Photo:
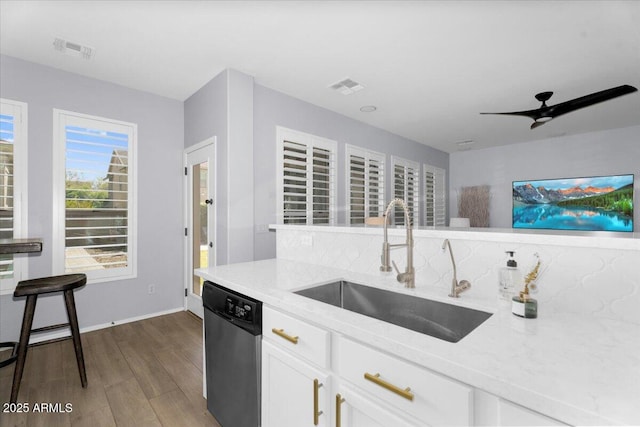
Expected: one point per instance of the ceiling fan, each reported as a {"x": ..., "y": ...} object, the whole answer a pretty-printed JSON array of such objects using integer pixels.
[{"x": 546, "y": 112}]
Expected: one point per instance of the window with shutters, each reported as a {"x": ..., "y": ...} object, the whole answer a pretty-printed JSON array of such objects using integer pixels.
[
  {"x": 365, "y": 184},
  {"x": 434, "y": 196},
  {"x": 306, "y": 178},
  {"x": 405, "y": 187},
  {"x": 94, "y": 194},
  {"x": 13, "y": 185}
]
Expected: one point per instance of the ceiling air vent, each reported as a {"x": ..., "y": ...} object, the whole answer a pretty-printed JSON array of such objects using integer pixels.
[
  {"x": 73, "y": 49},
  {"x": 346, "y": 87}
]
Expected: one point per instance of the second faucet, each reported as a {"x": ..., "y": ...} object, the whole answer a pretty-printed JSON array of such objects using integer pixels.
[{"x": 456, "y": 288}]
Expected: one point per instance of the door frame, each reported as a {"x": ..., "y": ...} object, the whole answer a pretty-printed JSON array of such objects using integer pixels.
[{"x": 188, "y": 243}]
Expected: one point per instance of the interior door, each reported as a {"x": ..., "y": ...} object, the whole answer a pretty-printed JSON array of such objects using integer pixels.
[{"x": 200, "y": 219}]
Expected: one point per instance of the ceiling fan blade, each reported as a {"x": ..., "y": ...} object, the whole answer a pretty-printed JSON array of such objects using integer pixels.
[
  {"x": 538, "y": 124},
  {"x": 588, "y": 100},
  {"x": 529, "y": 113}
]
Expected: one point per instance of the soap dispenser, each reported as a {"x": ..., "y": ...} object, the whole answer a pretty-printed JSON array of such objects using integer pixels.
[{"x": 510, "y": 278}]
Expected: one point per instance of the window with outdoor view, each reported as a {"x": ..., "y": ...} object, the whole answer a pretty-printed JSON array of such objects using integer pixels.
[
  {"x": 13, "y": 183},
  {"x": 94, "y": 189}
]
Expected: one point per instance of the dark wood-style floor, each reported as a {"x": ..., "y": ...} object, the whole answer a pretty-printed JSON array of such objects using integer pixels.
[{"x": 145, "y": 373}]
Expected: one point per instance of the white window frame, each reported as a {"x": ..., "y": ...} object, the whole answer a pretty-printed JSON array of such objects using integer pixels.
[
  {"x": 310, "y": 141},
  {"x": 369, "y": 156},
  {"x": 438, "y": 197},
  {"x": 413, "y": 168},
  {"x": 20, "y": 200},
  {"x": 61, "y": 119}
]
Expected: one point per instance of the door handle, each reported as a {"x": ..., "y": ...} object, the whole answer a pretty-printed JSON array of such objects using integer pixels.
[
  {"x": 339, "y": 401},
  {"x": 406, "y": 393},
  {"x": 281, "y": 333},
  {"x": 316, "y": 412},
  {"x": 209, "y": 201}
]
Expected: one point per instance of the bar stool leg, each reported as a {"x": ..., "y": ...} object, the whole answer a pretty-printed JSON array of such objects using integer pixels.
[
  {"x": 25, "y": 332},
  {"x": 75, "y": 333}
]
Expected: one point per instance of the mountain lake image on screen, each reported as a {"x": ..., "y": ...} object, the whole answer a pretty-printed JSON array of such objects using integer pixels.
[{"x": 598, "y": 203}]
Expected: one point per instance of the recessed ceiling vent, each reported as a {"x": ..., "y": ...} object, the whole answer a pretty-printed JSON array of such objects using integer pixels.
[
  {"x": 346, "y": 87},
  {"x": 74, "y": 49},
  {"x": 465, "y": 145}
]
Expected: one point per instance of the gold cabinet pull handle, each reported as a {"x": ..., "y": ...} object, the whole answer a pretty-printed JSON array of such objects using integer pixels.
[
  {"x": 283, "y": 334},
  {"x": 406, "y": 393},
  {"x": 316, "y": 412},
  {"x": 339, "y": 401}
]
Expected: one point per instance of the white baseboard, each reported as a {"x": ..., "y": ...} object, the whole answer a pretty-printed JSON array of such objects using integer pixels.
[{"x": 65, "y": 333}]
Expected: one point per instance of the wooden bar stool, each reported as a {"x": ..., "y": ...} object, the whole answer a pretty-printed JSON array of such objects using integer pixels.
[{"x": 31, "y": 289}]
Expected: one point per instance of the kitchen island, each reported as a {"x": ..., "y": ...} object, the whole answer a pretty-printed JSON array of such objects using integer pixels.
[{"x": 577, "y": 366}]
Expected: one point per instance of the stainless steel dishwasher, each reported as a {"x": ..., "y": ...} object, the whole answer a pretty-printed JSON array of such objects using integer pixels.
[{"x": 232, "y": 336}]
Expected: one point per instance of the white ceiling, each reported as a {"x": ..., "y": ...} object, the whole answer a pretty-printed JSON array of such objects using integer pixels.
[{"x": 430, "y": 67}]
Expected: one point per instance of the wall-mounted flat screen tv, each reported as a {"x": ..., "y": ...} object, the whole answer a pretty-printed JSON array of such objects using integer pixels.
[{"x": 598, "y": 203}]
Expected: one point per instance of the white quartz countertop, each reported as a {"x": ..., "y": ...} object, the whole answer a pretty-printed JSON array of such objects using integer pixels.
[{"x": 579, "y": 370}]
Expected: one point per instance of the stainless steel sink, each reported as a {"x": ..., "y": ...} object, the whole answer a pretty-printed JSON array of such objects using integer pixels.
[{"x": 445, "y": 321}]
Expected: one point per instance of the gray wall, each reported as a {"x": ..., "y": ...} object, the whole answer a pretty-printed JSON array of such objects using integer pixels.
[
  {"x": 272, "y": 108},
  {"x": 609, "y": 152},
  {"x": 240, "y": 246},
  {"x": 205, "y": 116},
  {"x": 224, "y": 108},
  {"x": 160, "y": 145}
]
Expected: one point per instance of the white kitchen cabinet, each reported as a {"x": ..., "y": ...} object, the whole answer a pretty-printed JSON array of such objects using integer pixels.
[
  {"x": 491, "y": 410},
  {"x": 412, "y": 390},
  {"x": 511, "y": 414},
  {"x": 297, "y": 336},
  {"x": 354, "y": 409},
  {"x": 289, "y": 397},
  {"x": 376, "y": 389}
]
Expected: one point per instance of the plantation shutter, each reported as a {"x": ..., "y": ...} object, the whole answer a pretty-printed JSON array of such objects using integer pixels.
[
  {"x": 295, "y": 183},
  {"x": 357, "y": 189},
  {"x": 321, "y": 186},
  {"x": 7, "y": 140},
  {"x": 13, "y": 184},
  {"x": 375, "y": 182},
  {"x": 98, "y": 217},
  {"x": 307, "y": 179},
  {"x": 434, "y": 195},
  {"x": 405, "y": 187},
  {"x": 366, "y": 184}
]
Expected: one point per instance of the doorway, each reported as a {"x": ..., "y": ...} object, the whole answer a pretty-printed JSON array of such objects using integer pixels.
[{"x": 200, "y": 202}]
